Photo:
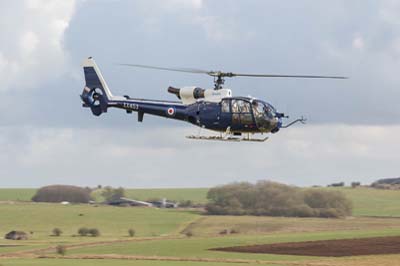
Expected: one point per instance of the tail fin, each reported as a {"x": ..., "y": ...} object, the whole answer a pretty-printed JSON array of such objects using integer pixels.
[{"x": 96, "y": 93}]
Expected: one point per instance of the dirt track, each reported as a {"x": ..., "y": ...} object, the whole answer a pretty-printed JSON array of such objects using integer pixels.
[{"x": 327, "y": 248}]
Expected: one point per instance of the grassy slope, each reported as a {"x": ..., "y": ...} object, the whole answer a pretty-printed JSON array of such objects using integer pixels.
[
  {"x": 373, "y": 202},
  {"x": 252, "y": 225},
  {"x": 111, "y": 221}
]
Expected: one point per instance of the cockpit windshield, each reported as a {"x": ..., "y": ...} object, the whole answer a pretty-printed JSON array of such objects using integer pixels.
[
  {"x": 270, "y": 110},
  {"x": 263, "y": 113},
  {"x": 261, "y": 109}
]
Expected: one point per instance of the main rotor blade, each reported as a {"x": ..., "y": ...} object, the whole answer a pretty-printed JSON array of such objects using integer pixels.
[
  {"x": 284, "y": 76},
  {"x": 187, "y": 70},
  {"x": 230, "y": 74}
]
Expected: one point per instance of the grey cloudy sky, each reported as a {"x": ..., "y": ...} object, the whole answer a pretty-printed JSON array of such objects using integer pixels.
[{"x": 46, "y": 137}]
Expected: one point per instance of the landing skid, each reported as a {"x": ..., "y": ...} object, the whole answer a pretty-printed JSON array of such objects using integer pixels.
[
  {"x": 226, "y": 136},
  {"x": 221, "y": 138}
]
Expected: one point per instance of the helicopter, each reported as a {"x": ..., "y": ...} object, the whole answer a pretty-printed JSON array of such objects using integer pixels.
[{"x": 235, "y": 118}]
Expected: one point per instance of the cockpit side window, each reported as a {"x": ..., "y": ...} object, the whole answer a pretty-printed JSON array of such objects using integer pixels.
[
  {"x": 225, "y": 106},
  {"x": 258, "y": 109}
]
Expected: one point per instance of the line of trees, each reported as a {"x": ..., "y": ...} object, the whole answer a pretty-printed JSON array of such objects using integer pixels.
[
  {"x": 59, "y": 193},
  {"x": 75, "y": 194},
  {"x": 274, "y": 199}
]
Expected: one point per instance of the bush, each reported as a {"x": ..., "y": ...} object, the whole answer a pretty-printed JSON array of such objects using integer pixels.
[
  {"x": 112, "y": 194},
  {"x": 235, "y": 231},
  {"x": 57, "y": 232},
  {"x": 61, "y": 250},
  {"x": 341, "y": 184},
  {"x": 131, "y": 232},
  {"x": 355, "y": 184},
  {"x": 83, "y": 231},
  {"x": 186, "y": 203},
  {"x": 328, "y": 203},
  {"x": 94, "y": 232},
  {"x": 59, "y": 193},
  {"x": 274, "y": 199},
  {"x": 189, "y": 233}
]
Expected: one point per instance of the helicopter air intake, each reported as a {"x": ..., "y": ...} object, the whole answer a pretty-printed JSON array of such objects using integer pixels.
[{"x": 189, "y": 95}]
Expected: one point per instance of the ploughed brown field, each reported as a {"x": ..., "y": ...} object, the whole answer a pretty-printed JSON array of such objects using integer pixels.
[{"x": 327, "y": 248}]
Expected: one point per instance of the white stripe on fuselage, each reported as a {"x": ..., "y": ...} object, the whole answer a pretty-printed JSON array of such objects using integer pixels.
[{"x": 147, "y": 101}]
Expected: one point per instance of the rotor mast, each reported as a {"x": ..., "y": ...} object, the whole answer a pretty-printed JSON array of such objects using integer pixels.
[{"x": 218, "y": 82}]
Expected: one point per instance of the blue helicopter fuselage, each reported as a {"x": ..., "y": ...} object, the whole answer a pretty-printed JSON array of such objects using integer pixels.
[
  {"x": 229, "y": 114},
  {"x": 238, "y": 114}
]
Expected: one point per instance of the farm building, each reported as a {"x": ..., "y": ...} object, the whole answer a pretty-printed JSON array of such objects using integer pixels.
[
  {"x": 130, "y": 202},
  {"x": 164, "y": 203}
]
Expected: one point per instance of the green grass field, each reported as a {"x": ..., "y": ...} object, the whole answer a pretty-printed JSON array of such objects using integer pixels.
[
  {"x": 102, "y": 262},
  {"x": 373, "y": 202},
  {"x": 159, "y": 231},
  {"x": 209, "y": 226},
  {"x": 113, "y": 222},
  {"x": 17, "y": 194}
]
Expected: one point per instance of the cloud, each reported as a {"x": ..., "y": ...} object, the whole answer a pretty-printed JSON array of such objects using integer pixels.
[
  {"x": 389, "y": 11},
  {"x": 220, "y": 29},
  {"x": 31, "y": 46},
  {"x": 192, "y": 4},
  {"x": 163, "y": 157},
  {"x": 216, "y": 28},
  {"x": 358, "y": 42}
]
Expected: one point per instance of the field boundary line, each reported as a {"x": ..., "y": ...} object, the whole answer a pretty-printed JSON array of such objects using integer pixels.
[
  {"x": 187, "y": 226},
  {"x": 187, "y": 259}
]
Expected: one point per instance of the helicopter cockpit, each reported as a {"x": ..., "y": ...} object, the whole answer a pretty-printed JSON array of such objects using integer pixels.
[
  {"x": 248, "y": 112},
  {"x": 264, "y": 114}
]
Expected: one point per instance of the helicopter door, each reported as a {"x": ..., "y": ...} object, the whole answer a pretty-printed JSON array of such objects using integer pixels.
[
  {"x": 242, "y": 117},
  {"x": 225, "y": 115},
  {"x": 208, "y": 114}
]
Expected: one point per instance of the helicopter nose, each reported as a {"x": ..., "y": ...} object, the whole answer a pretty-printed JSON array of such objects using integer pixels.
[
  {"x": 276, "y": 125},
  {"x": 279, "y": 124}
]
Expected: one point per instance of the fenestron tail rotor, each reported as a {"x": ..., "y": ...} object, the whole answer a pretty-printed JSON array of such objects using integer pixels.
[{"x": 219, "y": 75}]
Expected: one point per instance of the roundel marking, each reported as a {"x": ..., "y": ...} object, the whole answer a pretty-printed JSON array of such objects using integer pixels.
[{"x": 171, "y": 111}]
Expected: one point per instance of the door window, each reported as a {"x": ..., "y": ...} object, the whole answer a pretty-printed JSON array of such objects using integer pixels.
[
  {"x": 241, "y": 112},
  {"x": 240, "y": 106}
]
